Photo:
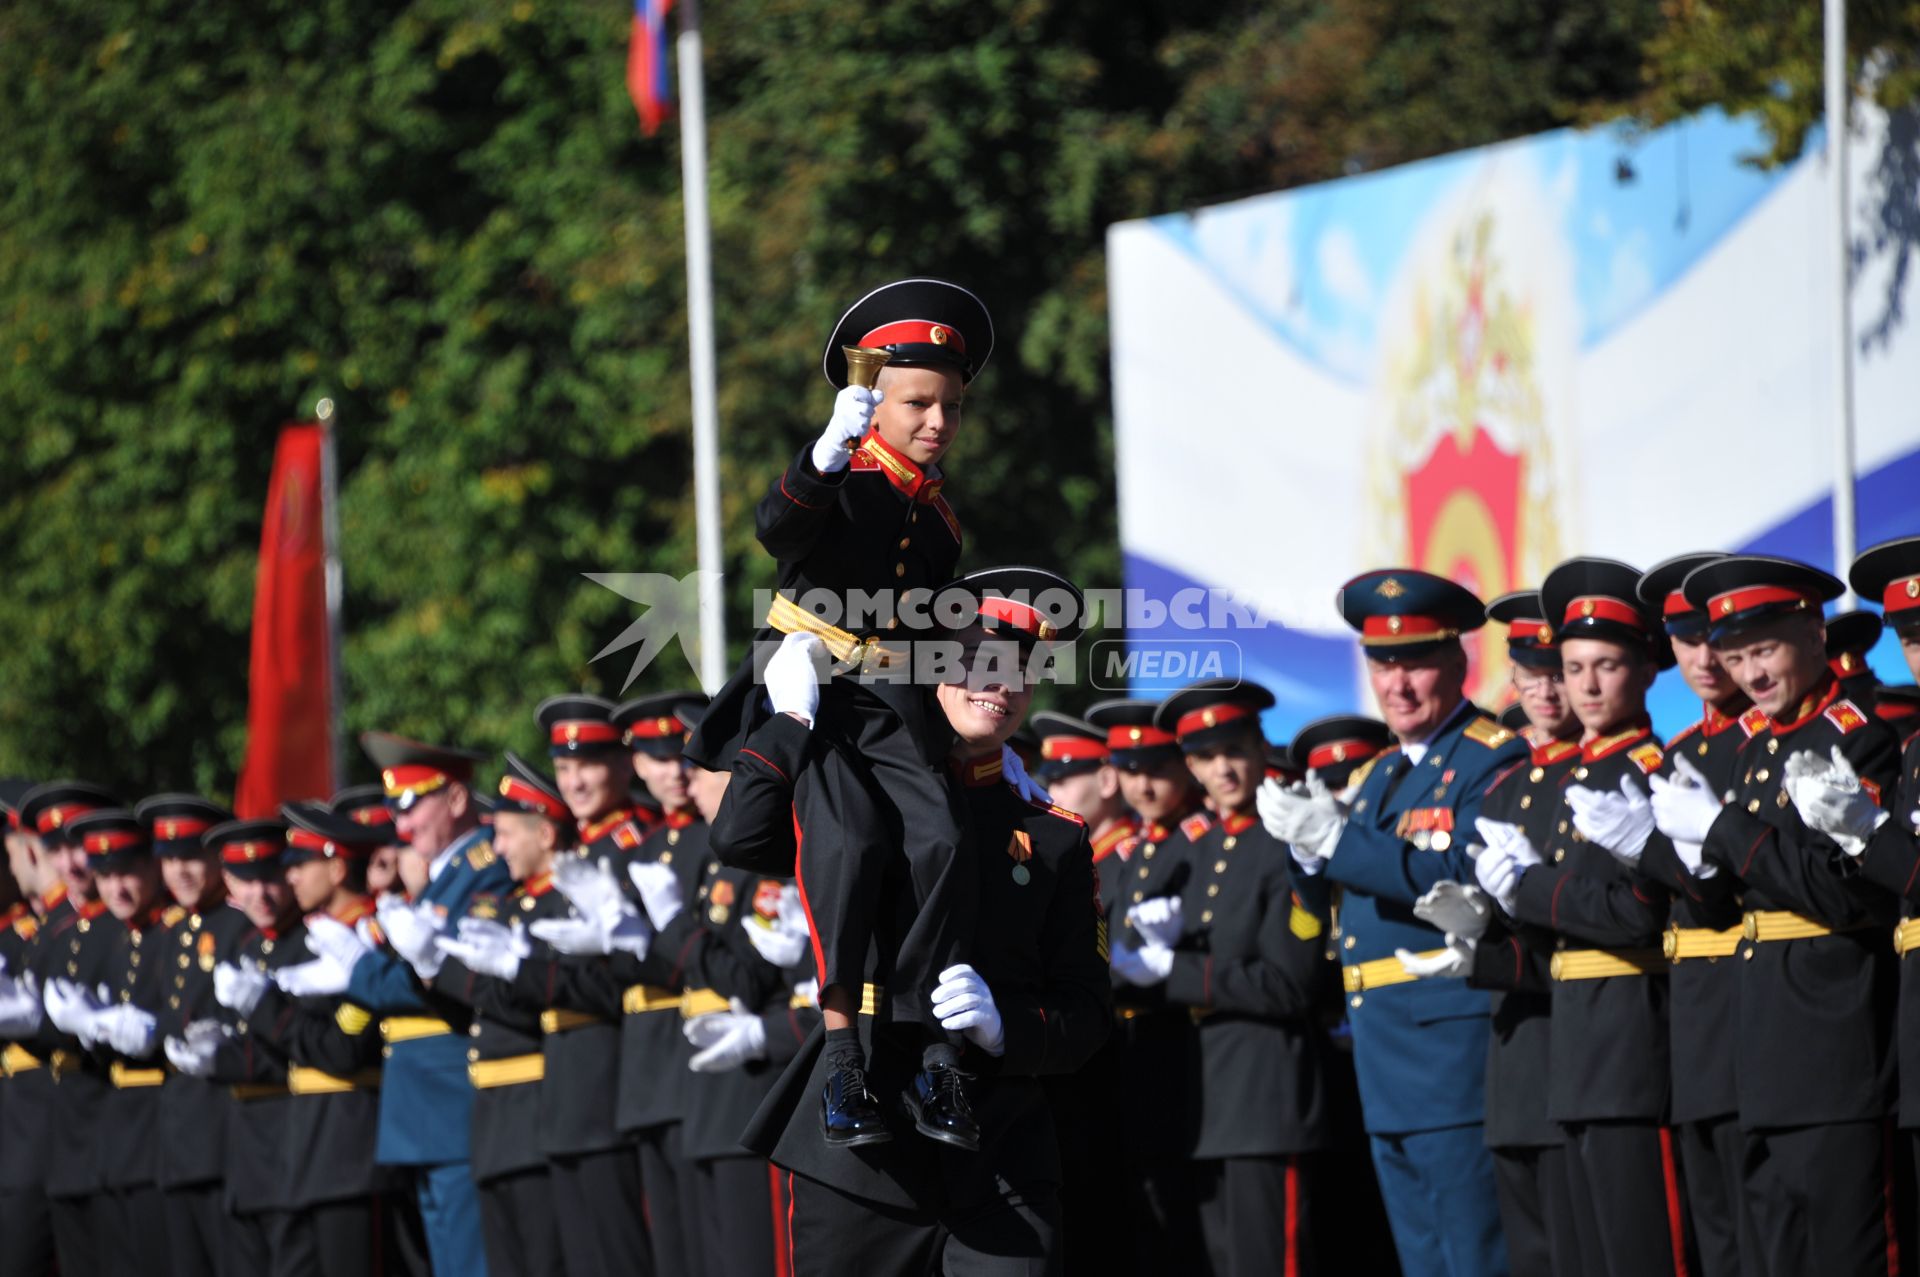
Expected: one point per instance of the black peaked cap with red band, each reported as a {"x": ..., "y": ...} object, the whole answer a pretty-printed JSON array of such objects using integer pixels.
[
  {"x": 579, "y": 724},
  {"x": 1889, "y": 574},
  {"x": 1599, "y": 599},
  {"x": 176, "y": 822},
  {"x": 1068, "y": 746},
  {"x": 365, "y": 805},
  {"x": 114, "y": 839},
  {"x": 658, "y": 724},
  {"x": 412, "y": 769},
  {"x": 1027, "y": 605},
  {"x": 317, "y": 832},
  {"x": 526, "y": 789},
  {"x": 1133, "y": 742},
  {"x": 1900, "y": 706},
  {"x": 1404, "y": 613},
  {"x": 920, "y": 322},
  {"x": 1201, "y": 715},
  {"x": 248, "y": 849},
  {"x": 1743, "y": 590},
  {"x": 1852, "y": 633},
  {"x": 1336, "y": 745},
  {"x": 1659, "y": 589},
  {"x": 48, "y": 809},
  {"x": 1530, "y": 640}
]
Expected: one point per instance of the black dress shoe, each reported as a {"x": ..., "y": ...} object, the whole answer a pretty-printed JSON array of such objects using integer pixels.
[
  {"x": 940, "y": 1107},
  {"x": 849, "y": 1114}
]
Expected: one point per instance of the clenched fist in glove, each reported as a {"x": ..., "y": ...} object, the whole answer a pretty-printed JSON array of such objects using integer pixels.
[
  {"x": 1455, "y": 909},
  {"x": 238, "y": 988},
  {"x": 1307, "y": 817},
  {"x": 852, "y": 417},
  {"x": 1831, "y": 799},
  {"x": 1158, "y": 920},
  {"x": 725, "y": 1040},
  {"x": 963, "y": 1002},
  {"x": 1620, "y": 822}
]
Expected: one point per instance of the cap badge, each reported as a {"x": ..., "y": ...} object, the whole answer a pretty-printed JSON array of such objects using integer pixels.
[
  {"x": 1389, "y": 589},
  {"x": 573, "y": 733},
  {"x": 1913, "y": 587},
  {"x": 939, "y": 335},
  {"x": 1133, "y": 733},
  {"x": 1393, "y": 625},
  {"x": 1206, "y": 716},
  {"x": 1586, "y": 607},
  {"x": 1339, "y": 753},
  {"x": 1726, "y": 606}
]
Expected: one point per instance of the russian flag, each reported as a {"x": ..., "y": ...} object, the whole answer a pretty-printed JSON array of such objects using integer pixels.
[{"x": 649, "y": 68}]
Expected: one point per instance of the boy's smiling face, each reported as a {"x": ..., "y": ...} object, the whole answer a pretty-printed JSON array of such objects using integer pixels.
[{"x": 921, "y": 412}]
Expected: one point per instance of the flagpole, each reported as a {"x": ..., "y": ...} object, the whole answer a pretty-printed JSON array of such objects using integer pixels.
[
  {"x": 706, "y": 413},
  {"x": 1844, "y": 530},
  {"x": 336, "y": 590}
]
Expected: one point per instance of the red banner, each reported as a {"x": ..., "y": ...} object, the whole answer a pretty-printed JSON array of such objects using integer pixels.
[{"x": 290, "y": 706}]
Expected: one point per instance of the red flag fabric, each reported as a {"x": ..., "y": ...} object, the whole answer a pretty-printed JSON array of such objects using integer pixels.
[
  {"x": 290, "y": 703},
  {"x": 649, "y": 68}
]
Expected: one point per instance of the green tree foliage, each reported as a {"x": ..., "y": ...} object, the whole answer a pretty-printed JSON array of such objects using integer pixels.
[{"x": 441, "y": 214}]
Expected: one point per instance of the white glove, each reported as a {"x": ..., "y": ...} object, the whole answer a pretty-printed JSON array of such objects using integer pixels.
[
  {"x": 1831, "y": 799},
  {"x": 411, "y": 930},
  {"x": 659, "y": 890},
  {"x": 238, "y": 988},
  {"x": 1149, "y": 964},
  {"x": 1620, "y": 822},
  {"x": 193, "y": 1054},
  {"x": 726, "y": 1039},
  {"x": 1455, "y": 909},
  {"x": 1684, "y": 805},
  {"x": 487, "y": 947},
  {"x": 1499, "y": 875},
  {"x": 332, "y": 939},
  {"x": 794, "y": 673},
  {"x": 72, "y": 1008},
  {"x": 962, "y": 1001},
  {"x": 587, "y": 885},
  {"x": 1158, "y": 921},
  {"x": 852, "y": 415},
  {"x": 20, "y": 1009},
  {"x": 578, "y": 937},
  {"x": 627, "y": 930},
  {"x": 1306, "y": 817},
  {"x": 1016, "y": 773},
  {"x": 780, "y": 947},
  {"x": 1510, "y": 839},
  {"x": 127, "y": 1030},
  {"x": 1451, "y": 962},
  {"x": 320, "y": 978}
]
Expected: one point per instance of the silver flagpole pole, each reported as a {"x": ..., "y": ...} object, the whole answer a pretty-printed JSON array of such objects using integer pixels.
[
  {"x": 1844, "y": 530},
  {"x": 336, "y": 590}
]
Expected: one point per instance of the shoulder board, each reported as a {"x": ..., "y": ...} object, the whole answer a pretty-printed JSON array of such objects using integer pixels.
[
  {"x": 171, "y": 914},
  {"x": 1484, "y": 731},
  {"x": 1846, "y": 716},
  {"x": 26, "y": 926},
  {"x": 480, "y": 855},
  {"x": 1195, "y": 826},
  {"x": 1685, "y": 732},
  {"x": 1302, "y": 921},
  {"x": 1753, "y": 720},
  {"x": 628, "y": 836},
  {"x": 946, "y": 513},
  {"x": 1057, "y": 810},
  {"x": 1646, "y": 757},
  {"x": 1365, "y": 769},
  {"x": 486, "y": 905}
]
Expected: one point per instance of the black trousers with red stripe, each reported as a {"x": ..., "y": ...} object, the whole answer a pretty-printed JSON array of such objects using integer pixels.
[
  {"x": 1819, "y": 1199},
  {"x": 833, "y": 1234},
  {"x": 868, "y": 808},
  {"x": 1629, "y": 1202},
  {"x": 1254, "y": 1213}
]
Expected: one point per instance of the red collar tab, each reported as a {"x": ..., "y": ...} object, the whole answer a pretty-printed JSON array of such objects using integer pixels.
[
  {"x": 584, "y": 731},
  {"x": 916, "y": 332},
  {"x": 538, "y": 885},
  {"x": 1552, "y": 752},
  {"x": 92, "y": 909},
  {"x": 1200, "y": 720},
  {"x": 1602, "y": 746},
  {"x": 54, "y": 896},
  {"x": 526, "y": 796},
  {"x": 681, "y": 817},
  {"x": 412, "y": 778},
  {"x": 1237, "y": 822},
  {"x": 981, "y": 771},
  {"x": 1602, "y": 607},
  {"x": 1342, "y": 751},
  {"x": 1812, "y": 704},
  {"x": 1117, "y": 833},
  {"x": 1072, "y": 749},
  {"x": 1902, "y": 595},
  {"x": 1756, "y": 596},
  {"x": 1140, "y": 737},
  {"x": 1385, "y": 631},
  {"x": 357, "y": 908},
  {"x": 594, "y": 829},
  {"x": 1019, "y": 616},
  {"x": 902, "y": 473}
]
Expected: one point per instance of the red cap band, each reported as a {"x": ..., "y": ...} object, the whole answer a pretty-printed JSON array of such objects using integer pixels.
[
  {"x": 1902, "y": 595},
  {"x": 654, "y": 728},
  {"x": 111, "y": 840},
  {"x": 1754, "y": 596},
  {"x": 412, "y": 778},
  {"x": 60, "y": 814},
  {"x": 371, "y": 814},
  {"x": 1381, "y": 631},
  {"x": 1524, "y": 631},
  {"x": 1068, "y": 749},
  {"x": 1676, "y": 605},
  {"x": 1018, "y": 615},
  {"x": 916, "y": 332},
  {"x": 307, "y": 840},
  {"x": 584, "y": 731},
  {"x": 1600, "y": 607},
  {"x": 1140, "y": 737},
  {"x": 515, "y": 790},
  {"x": 1200, "y": 720},
  {"x": 168, "y": 828},
  {"x": 1342, "y": 751},
  {"x": 245, "y": 853}
]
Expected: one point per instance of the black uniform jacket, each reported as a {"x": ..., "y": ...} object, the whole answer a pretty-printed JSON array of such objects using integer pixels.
[{"x": 1041, "y": 949}]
